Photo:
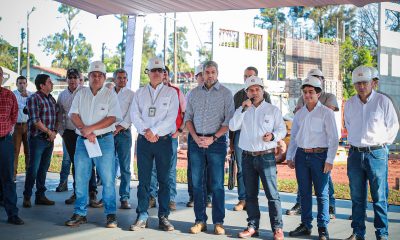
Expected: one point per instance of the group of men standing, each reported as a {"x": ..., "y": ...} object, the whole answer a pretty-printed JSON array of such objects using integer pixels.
[{"x": 97, "y": 115}]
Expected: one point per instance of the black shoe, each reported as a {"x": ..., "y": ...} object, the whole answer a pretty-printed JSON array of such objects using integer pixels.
[
  {"x": 209, "y": 202},
  {"x": 71, "y": 199},
  {"x": 76, "y": 220},
  {"x": 332, "y": 212},
  {"x": 165, "y": 225},
  {"x": 62, "y": 187},
  {"x": 323, "y": 233},
  {"x": 139, "y": 224},
  {"x": 152, "y": 202},
  {"x": 15, "y": 220},
  {"x": 296, "y": 210},
  {"x": 125, "y": 205},
  {"x": 301, "y": 230},
  {"x": 43, "y": 200},
  {"x": 355, "y": 237},
  {"x": 1, "y": 203},
  {"x": 111, "y": 221},
  {"x": 190, "y": 203}
]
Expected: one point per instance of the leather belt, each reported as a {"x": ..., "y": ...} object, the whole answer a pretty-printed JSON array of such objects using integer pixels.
[
  {"x": 205, "y": 135},
  {"x": 259, "y": 153},
  {"x": 99, "y": 136},
  {"x": 366, "y": 149},
  {"x": 21, "y": 123},
  {"x": 314, "y": 150}
]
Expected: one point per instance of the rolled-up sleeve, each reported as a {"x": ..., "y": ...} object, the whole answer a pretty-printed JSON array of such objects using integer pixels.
[
  {"x": 75, "y": 104},
  {"x": 189, "y": 111},
  {"x": 114, "y": 109}
]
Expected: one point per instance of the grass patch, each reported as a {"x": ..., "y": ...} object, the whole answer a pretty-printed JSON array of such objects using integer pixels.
[{"x": 342, "y": 191}]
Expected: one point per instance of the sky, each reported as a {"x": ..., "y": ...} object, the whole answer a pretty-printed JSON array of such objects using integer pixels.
[{"x": 46, "y": 20}]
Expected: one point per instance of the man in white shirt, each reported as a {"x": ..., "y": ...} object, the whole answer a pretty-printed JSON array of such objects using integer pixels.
[
  {"x": 123, "y": 135},
  {"x": 154, "y": 112},
  {"x": 313, "y": 144},
  {"x": 94, "y": 111},
  {"x": 20, "y": 134},
  {"x": 371, "y": 122},
  {"x": 261, "y": 126}
]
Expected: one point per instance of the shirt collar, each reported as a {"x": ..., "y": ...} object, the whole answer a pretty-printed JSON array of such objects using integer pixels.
[
  {"x": 371, "y": 96},
  {"x": 217, "y": 85}
]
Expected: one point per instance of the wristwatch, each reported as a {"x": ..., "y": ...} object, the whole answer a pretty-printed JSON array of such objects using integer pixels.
[
  {"x": 180, "y": 130},
  {"x": 215, "y": 138}
]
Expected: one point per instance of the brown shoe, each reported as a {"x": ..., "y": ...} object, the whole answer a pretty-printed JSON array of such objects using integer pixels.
[
  {"x": 198, "y": 227},
  {"x": 98, "y": 204},
  {"x": 278, "y": 234},
  {"x": 219, "y": 229},
  {"x": 71, "y": 199},
  {"x": 27, "y": 202},
  {"x": 76, "y": 220},
  {"x": 241, "y": 205},
  {"x": 111, "y": 221},
  {"x": 43, "y": 200},
  {"x": 152, "y": 202},
  {"x": 248, "y": 232},
  {"x": 93, "y": 200},
  {"x": 172, "y": 206},
  {"x": 125, "y": 205}
]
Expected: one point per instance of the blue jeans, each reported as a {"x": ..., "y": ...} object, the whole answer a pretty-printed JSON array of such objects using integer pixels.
[
  {"x": 65, "y": 165},
  {"x": 172, "y": 174},
  {"x": 147, "y": 153},
  {"x": 240, "y": 182},
  {"x": 40, "y": 151},
  {"x": 212, "y": 158},
  {"x": 309, "y": 171},
  {"x": 9, "y": 194},
  {"x": 123, "y": 144},
  {"x": 105, "y": 166},
  {"x": 264, "y": 168},
  {"x": 372, "y": 167}
]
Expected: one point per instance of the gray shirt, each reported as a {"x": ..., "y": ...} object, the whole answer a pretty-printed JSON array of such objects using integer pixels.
[
  {"x": 327, "y": 99},
  {"x": 209, "y": 109}
]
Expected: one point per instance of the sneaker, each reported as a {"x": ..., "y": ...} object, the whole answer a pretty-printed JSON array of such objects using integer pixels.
[
  {"x": 190, "y": 203},
  {"x": 332, "y": 212},
  {"x": 76, "y": 220},
  {"x": 198, "y": 227},
  {"x": 152, "y": 202},
  {"x": 323, "y": 233},
  {"x": 15, "y": 220},
  {"x": 219, "y": 229},
  {"x": 62, "y": 187},
  {"x": 278, "y": 234},
  {"x": 241, "y": 205},
  {"x": 165, "y": 225},
  {"x": 43, "y": 200},
  {"x": 71, "y": 199},
  {"x": 172, "y": 205},
  {"x": 248, "y": 232},
  {"x": 138, "y": 225},
  {"x": 27, "y": 202},
  {"x": 296, "y": 210},
  {"x": 111, "y": 221},
  {"x": 301, "y": 230}
]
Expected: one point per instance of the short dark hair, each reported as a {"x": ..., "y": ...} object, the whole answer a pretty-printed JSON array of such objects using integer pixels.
[
  {"x": 21, "y": 78},
  {"x": 251, "y": 68},
  {"x": 167, "y": 69},
  {"x": 210, "y": 64},
  {"x": 41, "y": 79},
  {"x": 317, "y": 89},
  {"x": 119, "y": 70}
]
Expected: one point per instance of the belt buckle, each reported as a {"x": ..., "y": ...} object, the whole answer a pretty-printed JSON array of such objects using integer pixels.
[{"x": 308, "y": 150}]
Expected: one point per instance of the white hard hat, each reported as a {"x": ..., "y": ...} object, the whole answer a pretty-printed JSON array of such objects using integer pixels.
[
  {"x": 374, "y": 73},
  {"x": 253, "y": 80},
  {"x": 199, "y": 69},
  {"x": 361, "y": 74},
  {"x": 315, "y": 72},
  {"x": 97, "y": 66},
  {"x": 312, "y": 81},
  {"x": 155, "y": 63}
]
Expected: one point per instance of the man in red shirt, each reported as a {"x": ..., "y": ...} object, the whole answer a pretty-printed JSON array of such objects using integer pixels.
[{"x": 8, "y": 118}]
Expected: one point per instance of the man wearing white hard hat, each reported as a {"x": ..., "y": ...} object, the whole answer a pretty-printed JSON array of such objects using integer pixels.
[
  {"x": 94, "y": 112},
  {"x": 312, "y": 150},
  {"x": 371, "y": 123},
  {"x": 154, "y": 111},
  {"x": 258, "y": 156},
  {"x": 330, "y": 101}
]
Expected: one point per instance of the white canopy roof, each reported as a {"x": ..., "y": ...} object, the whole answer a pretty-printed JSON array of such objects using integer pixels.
[{"x": 139, "y": 7}]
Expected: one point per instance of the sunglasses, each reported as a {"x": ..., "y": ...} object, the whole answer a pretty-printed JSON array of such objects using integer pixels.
[{"x": 160, "y": 70}]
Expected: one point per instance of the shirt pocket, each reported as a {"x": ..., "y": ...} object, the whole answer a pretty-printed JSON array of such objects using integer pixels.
[
  {"x": 164, "y": 102},
  {"x": 376, "y": 122},
  {"x": 316, "y": 124},
  {"x": 268, "y": 124},
  {"x": 102, "y": 109}
]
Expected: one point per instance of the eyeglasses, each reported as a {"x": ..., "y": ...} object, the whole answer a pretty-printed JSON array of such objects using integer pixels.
[{"x": 160, "y": 70}]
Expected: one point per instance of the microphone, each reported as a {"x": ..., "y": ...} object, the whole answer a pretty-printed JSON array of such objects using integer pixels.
[{"x": 245, "y": 108}]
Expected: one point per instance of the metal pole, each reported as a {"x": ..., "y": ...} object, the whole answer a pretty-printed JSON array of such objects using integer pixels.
[
  {"x": 175, "y": 52},
  {"x": 28, "y": 74},
  {"x": 165, "y": 39}
]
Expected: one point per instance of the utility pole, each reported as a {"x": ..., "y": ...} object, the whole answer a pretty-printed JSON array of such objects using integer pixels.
[
  {"x": 175, "y": 51},
  {"x": 165, "y": 39},
  {"x": 103, "y": 48},
  {"x": 20, "y": 49},
  {"x": 28, "y": 74}
]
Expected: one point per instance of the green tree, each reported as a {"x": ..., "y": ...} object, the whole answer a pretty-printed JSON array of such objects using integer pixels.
[
  {"x": 68, "y": 49},
  {"x": 182, "y": 52},
  {"x": 148, "y": 51},
  {"x": 112, "y": 62},
  {"x": 9, "y": 56}
]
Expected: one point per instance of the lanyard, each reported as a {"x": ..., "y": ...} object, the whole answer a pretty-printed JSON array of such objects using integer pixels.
[{"x": 158, "y": 94}]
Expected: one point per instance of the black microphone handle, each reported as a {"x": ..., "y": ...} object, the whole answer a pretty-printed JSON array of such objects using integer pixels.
[{"x": 245, "y": 108}]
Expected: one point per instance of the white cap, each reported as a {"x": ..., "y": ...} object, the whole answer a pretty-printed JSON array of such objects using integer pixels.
[
  {"x": 361, "y": 74},
  {"x": 97, "y": 66},
  {"x": 199, "y": 69},
  {"x": 155, "y": 63},
  {"x": 374, "y": 73},
  {"x": 253, "y": 80},
  {"x": 312, "y": 81},
  {"x": 315, "y": 72}
]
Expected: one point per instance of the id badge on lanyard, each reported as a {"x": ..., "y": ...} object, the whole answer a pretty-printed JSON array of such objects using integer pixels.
[{"x": 152, "y": 111}]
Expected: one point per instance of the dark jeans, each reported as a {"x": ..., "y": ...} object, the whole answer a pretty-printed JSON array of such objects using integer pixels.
[
  {"x": 309, "y": 171},
  {"x": 261, "y": 167},
  {"x": 70, "y": 138},
  {"x": 331, "y": 190},
  {"x": 212, "y": 158},
  {"x": 161, "y": 152},
  {"x": 40, "y": 151},
  {"x": 123, "y": 145},
  {"x": 7, "y": 175},
  {"x": 240, "y": 182}
]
